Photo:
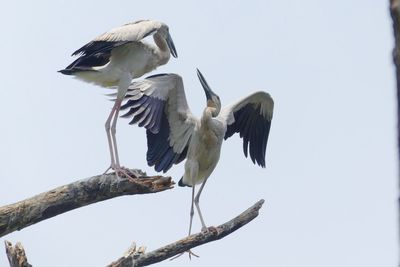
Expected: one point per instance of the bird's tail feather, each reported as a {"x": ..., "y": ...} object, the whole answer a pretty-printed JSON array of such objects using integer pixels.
[{"x": 180, "y": 183}]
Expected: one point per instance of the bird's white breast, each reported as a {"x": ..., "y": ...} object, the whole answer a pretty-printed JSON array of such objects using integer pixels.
[{"x": 204, "y": 151}]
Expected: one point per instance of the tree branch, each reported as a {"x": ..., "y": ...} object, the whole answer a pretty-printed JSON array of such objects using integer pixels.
[
  {"x": 135, "y": 258},
  {"x": 75, "y": 195},
  {"x": 16, "y": 255}
]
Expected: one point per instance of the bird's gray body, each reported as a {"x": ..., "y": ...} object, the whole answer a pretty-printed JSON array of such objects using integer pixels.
[
  {"x": 204, "y": 149},
  {"x": 122, "y": 54},
  {"x": 134, "y": 59}
]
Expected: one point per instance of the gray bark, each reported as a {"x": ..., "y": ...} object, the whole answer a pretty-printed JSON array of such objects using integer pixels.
[
  {"x": 16, "y": 255},
  {"x": 137, "y": 257},
  {"x": 75, "y": 195},
  {"x": 98, "y": 188}
]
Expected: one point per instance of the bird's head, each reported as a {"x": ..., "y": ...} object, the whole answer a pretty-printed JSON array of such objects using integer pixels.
[
  {"x": 164, "y": 33},
  {"x": 213, "y": 100}
]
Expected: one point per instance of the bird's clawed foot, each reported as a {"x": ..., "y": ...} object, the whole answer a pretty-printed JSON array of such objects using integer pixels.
[
  {"x": 122, "y": 172},
  {"x": 190, "y": 255},
  {"x": 209, "y": 229}
]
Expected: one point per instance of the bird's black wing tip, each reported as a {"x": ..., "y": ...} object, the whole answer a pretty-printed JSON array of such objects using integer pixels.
[
  {"x": 157, "y": 75},
  {"x": 77, "y": 53},
  {"x": 66, "y": 71}
]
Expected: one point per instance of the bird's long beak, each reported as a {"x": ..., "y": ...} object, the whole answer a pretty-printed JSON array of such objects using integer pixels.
[
  {"x": 206, "y": 87},
  {"x": 171, "y": 46}
]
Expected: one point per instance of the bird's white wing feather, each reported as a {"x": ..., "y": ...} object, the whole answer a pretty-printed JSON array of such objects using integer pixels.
[
  {"x": 134, "y": 31},
  {"x": 159, "y": 104},
  {"x": 130, "y": 32},
  {"x": 251, "y": 118}
]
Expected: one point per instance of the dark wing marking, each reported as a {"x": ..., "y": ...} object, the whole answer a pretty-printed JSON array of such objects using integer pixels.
[
  {"x": 159, "y": 153},
  {"x": 86, "y": 63},
  {"x": 158, "y": 103},
  {"x": 254, "y": 129},
  {"x": 147, "y": 111},
  {"x": 157, "y": 75},
  {"x": 95, "y": 47},
  {"x": 253, "y": 124}
]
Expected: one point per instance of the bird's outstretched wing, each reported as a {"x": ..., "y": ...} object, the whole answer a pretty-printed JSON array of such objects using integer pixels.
[
  {"x": 251, "y": 118},
  {"x": 130, "y": 32},
  {"x": 159, "y": 104}
]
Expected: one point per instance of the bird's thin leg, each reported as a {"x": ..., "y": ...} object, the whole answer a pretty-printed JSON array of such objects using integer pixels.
[
  {"x": 122, "y": 89},
  {"x": 190, "y": 228},
  {"x": 109, "y": 138},
  {"x": 118, "y": 169},
  {"x": 191, "y": 211},
  {"x": 193, "y": 171},
  {"x": 196, "y": 202},
  {"x": 114, "y": 131}
]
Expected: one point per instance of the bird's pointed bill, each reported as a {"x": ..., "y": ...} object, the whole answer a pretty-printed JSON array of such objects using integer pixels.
[
  {"x": 206, "y": 87},
  {"x": 171, "y": 46}
]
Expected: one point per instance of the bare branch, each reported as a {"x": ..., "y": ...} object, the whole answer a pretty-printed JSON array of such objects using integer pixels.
[
  {"x": 135, "y": 258},
  {"x": 16, "y": 255},
  {"x": 75, "y": 195}
]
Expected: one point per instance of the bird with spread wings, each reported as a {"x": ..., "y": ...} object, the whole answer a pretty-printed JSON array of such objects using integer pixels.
[{"x": 174, "y": 134}]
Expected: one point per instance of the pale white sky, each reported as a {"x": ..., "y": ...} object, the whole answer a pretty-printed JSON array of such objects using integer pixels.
[{"x": 330, "y": 183}]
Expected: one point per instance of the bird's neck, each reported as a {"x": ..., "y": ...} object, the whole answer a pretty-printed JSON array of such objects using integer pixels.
[
  {"x": 162, "y": 48},
  {"x": 207, "y": 116}
]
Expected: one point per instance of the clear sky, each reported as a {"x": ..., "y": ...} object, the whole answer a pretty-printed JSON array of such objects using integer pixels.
[{"x": 331, "y": 180}]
